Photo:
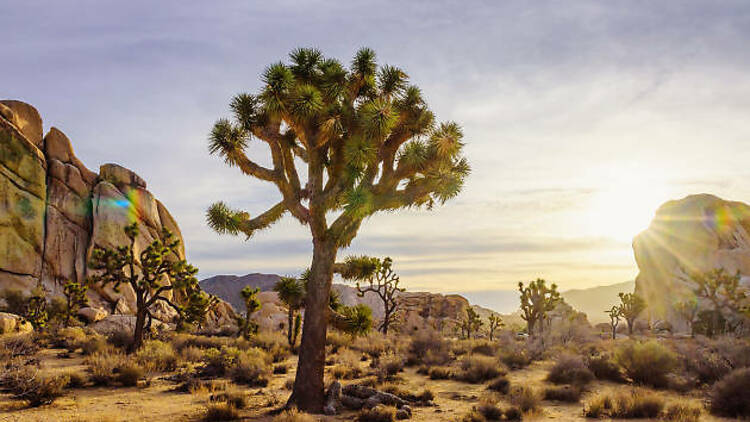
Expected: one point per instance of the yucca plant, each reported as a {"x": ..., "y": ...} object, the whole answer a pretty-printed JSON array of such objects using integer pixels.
[{"x": 345, "y": 143}]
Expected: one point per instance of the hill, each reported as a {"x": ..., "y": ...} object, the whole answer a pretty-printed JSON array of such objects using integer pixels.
[{"x": 595, "y": 301}]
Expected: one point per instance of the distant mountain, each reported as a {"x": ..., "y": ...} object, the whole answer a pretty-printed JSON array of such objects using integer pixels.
[
  {"x": 228, "y": 287},
  {"x": 595, "y": 301}
]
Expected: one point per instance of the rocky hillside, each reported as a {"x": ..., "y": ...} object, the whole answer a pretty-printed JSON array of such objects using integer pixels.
[
  {"x": 696, "y": 233},
  {"x": 54, "y": 211},
  {"x": 420, "y": 309}
]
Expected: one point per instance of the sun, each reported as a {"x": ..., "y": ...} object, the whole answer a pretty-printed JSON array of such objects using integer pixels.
[{"x": 624, "y": 206}]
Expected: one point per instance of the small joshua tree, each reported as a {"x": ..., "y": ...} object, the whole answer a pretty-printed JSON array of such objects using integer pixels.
[
  {"x": 36, "y": 309},
  {"x": 536, "y": 301},
  {"x": 152, "y": 275},
  {"x": 494, "y": 322},
  {"x": 292, "y": 294},
  {"x": 723, "y": 291},
  {"x": 630, "y": 307},
  {"x": 247, "y": 326},
  {"x": 384, "y": 283},
  {"x": 614, "y": 319},
  {"x": 688, "y": 310},
  {"x": 75, "y": 299},
  {"x": 194, "y": 312},
  {"x": 471, "y": 323}
]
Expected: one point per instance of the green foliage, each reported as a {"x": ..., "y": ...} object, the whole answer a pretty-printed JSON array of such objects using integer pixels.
[
  {"x": 155, "y": 272},
  {"x": 75, "y": 299},
  {"x": 380, "y": 279},
  {"x": 471, "y": 323},
  {"x": 292, "y": 294},
  {"x": 647, "y": 362},
  {"x": 536, "y": 300},
  {"x": 726, "y": 296},
  {"x": 36, "y": 309},
  {"x": 631, "y": 307},
  {"x": 248, "y": 327},
  {"x": 355, "y": 320}
]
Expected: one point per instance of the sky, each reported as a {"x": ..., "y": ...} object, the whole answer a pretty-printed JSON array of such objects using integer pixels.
[{"x": 580, "y": 119}]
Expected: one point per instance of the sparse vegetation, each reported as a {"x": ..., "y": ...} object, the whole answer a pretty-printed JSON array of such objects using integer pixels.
[
  {"x": 633, "y": 404},
  {"x": 478, "y": 368},
  {"x": 526, "y": 398},
  {"x": 731, "y": 396},
  {"x": 377, "y": 414},
  {"x": 570, "y": 369},
  {"x": 646, "y": 363}
]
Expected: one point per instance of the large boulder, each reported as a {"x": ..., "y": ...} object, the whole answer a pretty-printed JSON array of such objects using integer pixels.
[
  {"x": 114, "y": 324},
  {"x": 694, "y": 234},
  {"x": 26, "y": 118},
  {"x": 12, "y": 323}
]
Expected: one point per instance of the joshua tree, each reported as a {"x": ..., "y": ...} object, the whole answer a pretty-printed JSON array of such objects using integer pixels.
[
  {"x": 384, "y": 283},
  {"x": 36, "y": 308},
  {"x": 247, "y": 326},
  {"x": 471, "y": 323},
  {"x": 495, "y": 322},
  {"x": 536, "y": 300},
  {"x": 688, "y": 311},
  {"x": 292, "y": 293},
  {"x": 723, "y": 291},
  {"x": 614, "y": 319},
  {"x": 152, "y": 275},
  {"x": 198, "y": 305},
  {"x": 344, "y": 145},
  {"x": 75, "y": 299},
  {"x": 630, "y": 307}
]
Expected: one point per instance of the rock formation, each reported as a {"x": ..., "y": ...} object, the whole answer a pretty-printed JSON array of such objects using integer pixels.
[
  {"x": 54, "y": 211},
  {"x": 696, "y": 233}
]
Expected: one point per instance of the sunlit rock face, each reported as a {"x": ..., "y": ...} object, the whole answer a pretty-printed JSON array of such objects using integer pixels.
[
  {"x": 696, "y": 233},
  {"x": 54, "y": 211}
]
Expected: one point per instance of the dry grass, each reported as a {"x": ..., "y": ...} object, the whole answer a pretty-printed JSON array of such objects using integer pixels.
[
  {"x": 251, "y": 367},
  {"x": 634, "y": 404},
  {"x": 377, "y": 414},
  {"x": 158, "y": 355},
  {"x": 103, "y": 365},
  {"x": 680, "y": 412},
  {"x": 220, "y": 412},
  {"x": 570, "y": 369},
  {"x": 526, "y": 398},
  {"x": 294, "y": 415},
  {"x": 563, "y": 393},
  {"x": 476, "y": 369}
]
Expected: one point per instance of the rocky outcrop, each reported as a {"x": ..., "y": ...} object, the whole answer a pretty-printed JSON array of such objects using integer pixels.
[
  {"x": 54, "y": 211},
  {"x": 12, "y": 324},
  {"x": 696, "y": 233}
]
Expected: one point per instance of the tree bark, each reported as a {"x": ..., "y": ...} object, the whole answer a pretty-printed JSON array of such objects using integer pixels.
[
  {"x": 308, "y": 394},
  {"x": 290, "y": 327},
  {"x": 140, "y": 324}
]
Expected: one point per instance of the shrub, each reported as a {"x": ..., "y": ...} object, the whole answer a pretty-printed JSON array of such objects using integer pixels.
[
  {"x": 94, "y": 344},
  {"x": 102, "y": 367},
  {"x": 220, "y": 412},
  {"x": 604, "y": 368},
  {"x": 635, "y": 404},
  {"x": 515, "y": 358},
  {"x": 158, "y": 355},
  {"x": 388, "y": 365},
  {"x": 70, "y": 338},
  {"x": 373, "y": 344},
  {"x": 564, "y": 393},
  {"x": 181, "y": 341},
  {"x": 489, "y": 409},
  {"x": 484, "y": 347},
  {"x": 473, "y": 416},
  {"x": 25, "y": 383},
  {"x": 478, "y": 368},
  {"x": 682, "y": 413},
  {"x": 646, "y": 363},
  {"x": 76, "y": 379},
  {"x": 348, "y": 366},
  {"x": 439, "y": 373},
  {"x": 280, "y": 369},
  {"x": 192, "y": 354},
  {"x": 19, "y": 345},
  {"x": 526, "y": 398},
  {"x": 251, "y": 367},
  {"x": 236, "y": 399},
  {"x": 120, "y": 339},
  {"x": 377, "y": 414},
  {"x": 129, "y": 375},
  {"x": 513, "y": 413},
  {"x": 336, "y": 339},
  {"x": 294, "y": 415},
  {"x": 570, "y": 369},
  {"x": 430, "y": 348},
  {"x": 731, "y": 396},
  {"x": 500, "y": 384}
]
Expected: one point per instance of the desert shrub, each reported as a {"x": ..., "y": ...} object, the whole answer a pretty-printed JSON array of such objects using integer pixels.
[
  {"x": 220, "y": 412},
  {"x": 388, "y": 365},
  {"x": 484, "y": 347},
  {"x": 19, "y": 345},
  {"x": 570, "y": 369},
  {"x": 731, "y": 396},
  {"x": 377, "y": 414},
  {"x": 478, "y": 368},
  {"x": 473, "y": 416},
  {"x": 429, "y": 347},
  {"x": 439, "y": 373},
  {"x": 94, "y": 344},
  {"x": 682, "y": 413},
  {"x": 709, "y": 360},
  {"x": 251, "y": 367},
  {"x": 236, "y": 399},
  {"x": 70, "y": 338},
  {"x": 374, "y": 344},
  {"x": 192, "y": 385},
  {"x": 181, "y": 341},
  {"x": 348, "y": 364},
  {"x": 424, "y": 396},
  {"x": 500, "y": 384},
  {"x": 280, "y": 369},
  {"x": 192, "y": 354},
  {"x": 336, "y": 339},
  {"x": 646, "y": 363},
  {"x": 120, "y": 339},
  {"x": 489, "y": 409},
  {"x": 604, "y": 368},
  {"x": 26, "y": 383},
  {"x": 158, "y": 355},
  {"x": 526, "y": 398},
  {"x": 515, "y": 358},
  {"x": 76, "y": 379},
  {"x": 635, "y": 404},
  {"x": 565, "y": 393},
  {"x": 294, "y": 415},
  {"x": 128, "y": 375},
  {"x": 218, "y": 361},
  {"x": 102, "y": 366},
  {"x": 512, "y": 413}
]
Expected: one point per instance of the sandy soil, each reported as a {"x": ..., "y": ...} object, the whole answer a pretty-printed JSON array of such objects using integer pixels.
[{"x": 158, "y": 402}]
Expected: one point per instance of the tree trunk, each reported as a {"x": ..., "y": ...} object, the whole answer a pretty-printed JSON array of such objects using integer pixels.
[
  {"x": 386, "y": 320},
  {"x": 630, "y": 326},
  {"x": 308, "y": 394},
  {"x": 290, "y": 327},
  {"x": 140, "y": 324}
]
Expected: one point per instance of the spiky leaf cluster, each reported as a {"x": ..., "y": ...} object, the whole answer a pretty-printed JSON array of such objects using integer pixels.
[
  {"x": 537, "y": 299},
  {"x": 352, "y": 140}
]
